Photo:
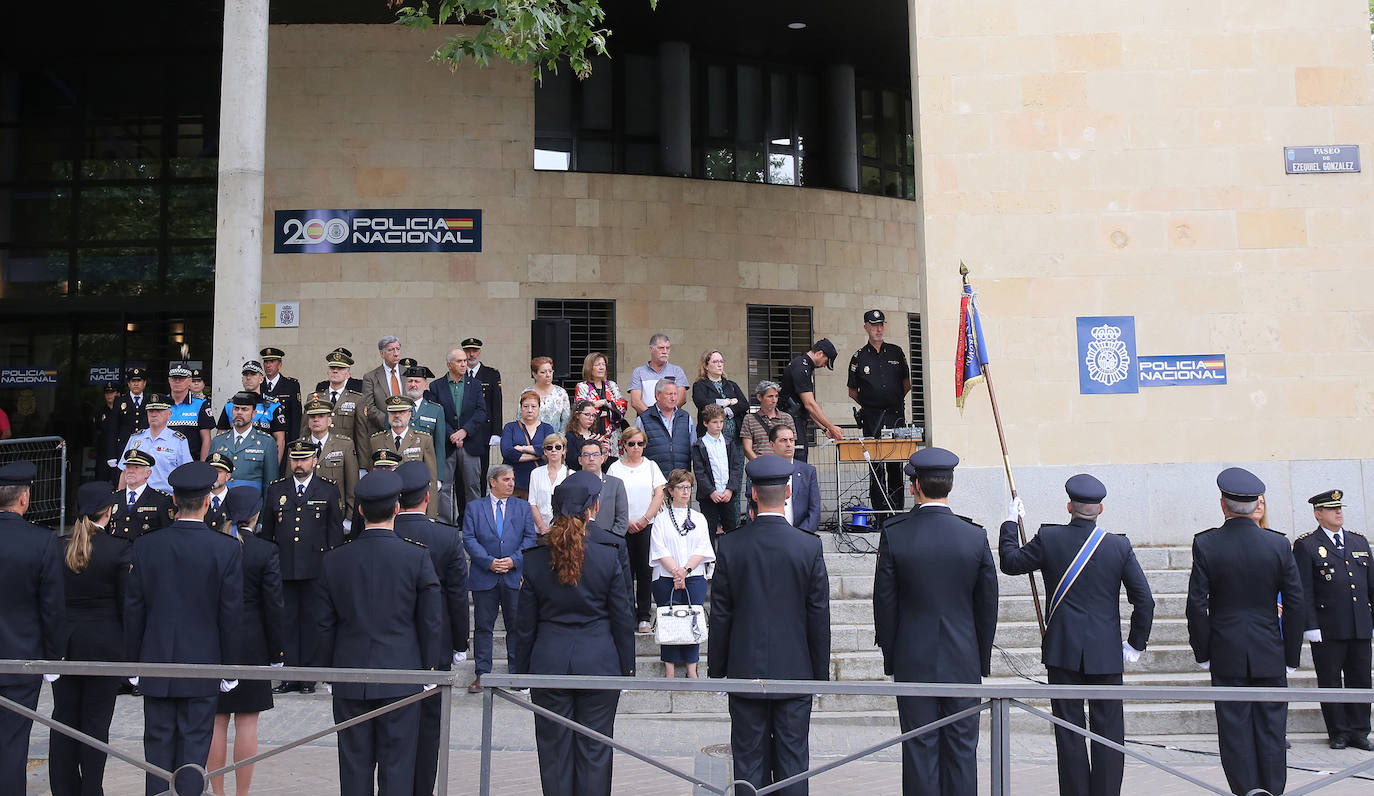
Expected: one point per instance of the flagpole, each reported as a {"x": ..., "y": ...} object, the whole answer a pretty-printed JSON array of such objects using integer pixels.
[{"x": 1006, "y": 464}]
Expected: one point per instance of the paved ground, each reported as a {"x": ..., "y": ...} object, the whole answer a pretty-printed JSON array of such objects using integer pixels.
[{"x": 312, "y": 769}]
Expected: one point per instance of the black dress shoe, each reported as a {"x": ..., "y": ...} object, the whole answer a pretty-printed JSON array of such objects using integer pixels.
[
  {"x": 307, "y": 688},
  {"x": 1360, "y": 742},
  {"x": 135, "y": 692},
  {"x": 286, "y": 687},
  {"x": 1338, "y": 742}
]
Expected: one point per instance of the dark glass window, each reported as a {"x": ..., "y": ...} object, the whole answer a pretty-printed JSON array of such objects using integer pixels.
[
  {"x": 775, "y": 335},
  {"x": 916, "y": 358},
  {"x": 887, "y": 146},
  {"x": 591, "y": 328}
]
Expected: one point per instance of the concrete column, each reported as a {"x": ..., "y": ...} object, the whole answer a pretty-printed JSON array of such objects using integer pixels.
[
  {"x": 841, "y": 128},
  {"x": 934, "y": 304},
  {"x": 675, "y": 108},
  {"x": 238, "y": 227}
]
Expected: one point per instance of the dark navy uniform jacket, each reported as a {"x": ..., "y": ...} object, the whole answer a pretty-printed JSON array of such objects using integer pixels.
[
  {"x": 31, "y": 593},
  {"x": 154, "y": 509},
  {"x": 304, "y": 527},
  {"x": 879, "y": 376},
  {"x": 1084, "y": 634},
  {"x": 935, "y": 598},
  {"x": 585, "y": 628},
  {"x": 185, "y": 604},
  {"x": 1337, "y": 589},
  {"x": 382, "y": 609},
  {"x": 770, "y": 604},
  {"x": 95, "y": 601},
  {"x": 445, "y": 546},
  {"x": 264, "y": 606},
  {"x": 1239, "y": 571}
]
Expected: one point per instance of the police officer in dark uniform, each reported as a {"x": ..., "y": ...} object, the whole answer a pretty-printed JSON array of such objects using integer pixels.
[
  {"x": 283, "y": 387},
  {"x": 301, "y": 514},
  {"x": 31, "y": 624},
  {"x": 141, "y": 509},
  {"x": 1333, "y": 562},
  {"x": 935, "y": 588},
  {"x": 491, "y": 392},
  {"x": 879, "y": 380},
  {"x": 184, "y": 605},
  {"x": 131, "y": 416},
  {"x": 215, "y": 515},
  {"x": 798, "y": 395},
  {"x": 382, "y": 459},
  {"x": 107, "y": 436},
  {"x": 1085, "y": 568},
  {"x": 382, "y": 609},
  {"x": 445, "y": 546},
  {"x": 1238, "y": 571},
  {"x": 770, "y": 584},
  {"x": 576, "y": 623}
]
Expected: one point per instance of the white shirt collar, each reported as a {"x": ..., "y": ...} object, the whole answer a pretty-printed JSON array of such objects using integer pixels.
[
  {"x": 305, "y": 483},
  {"x": 1331, "y": 535},
  {"x": 137, "y": 493},
  {"x": 322, "y": 441}
]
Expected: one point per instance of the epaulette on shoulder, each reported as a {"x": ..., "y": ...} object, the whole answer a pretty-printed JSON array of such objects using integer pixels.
[
  {"x": 326, "y": 479},
  {"x": 381, "y": 433},
  {"x": 1277, "y": 531},
  {"x": 177, "y": 434},
  {"x": 1203, "y": 533},
  {"x": 219, "y": 432},
  {"x": 160, "y": 492},
  {"x": 281, "y": 480},
  {"x": 342, "y": 436},
  {"x": 412, "y": 541},
  {"x": 1349, "y": 532},
  {"x": 1304, "y": 536},
  {"x": 967, "y": 520}
]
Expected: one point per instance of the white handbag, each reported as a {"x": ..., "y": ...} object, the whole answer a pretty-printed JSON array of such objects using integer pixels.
[{"x": 680, "y": 624}]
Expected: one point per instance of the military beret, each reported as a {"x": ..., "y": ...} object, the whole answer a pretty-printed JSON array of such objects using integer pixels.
[
  {"x": 1330, "y": 499},
  {"x": 339, "y": 358},
  {"x": 378, "y": 488},
  {"x": 157, "y": 401},
  {"x": 930, "y": 460},
  {"x": 576, "y": 494},
  {"x": 471, "y": 342},
  {"x": 20, "y": 473},
  {"x": 221, "y": 460},
  {"x": 398, "y": 403},
  {"x": 244, "y": 398},
  {"x": 271, "y": 353},
  {"x": 769, "y": 470},
  {"x": 302, "y": 449},
  {"x": 826, "y": 347},
  {"x": 253, "y": 366},
  {"x": 875, "y": 316},
  {"x": 385, "y": 457},
  {"x": 179, "y": 371},
  {"x": 94, "y": 497},
  {"x": 414, "y": 478},
  {"x": 192, "y": 479},
  {"x": 136, "y": 373},
  {"x": 138, "y": 457},
  {"x": 1083, "y": 488},
  {"x": 318, "y": 406},
  {"x": 1240, "y": 484},
  {"x": 241, "y": 503}
]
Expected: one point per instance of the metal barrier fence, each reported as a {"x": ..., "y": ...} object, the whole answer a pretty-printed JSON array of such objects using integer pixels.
[
  {"x": 48, "y": 497},
  {"x": 998, "y": 701}
]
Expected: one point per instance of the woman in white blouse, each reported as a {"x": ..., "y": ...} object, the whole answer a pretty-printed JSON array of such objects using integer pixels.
[
  {"x": 547, "y": 476},
  {"x": 553, "y": 400},
  {"x": 680, "y": 550},
  {"x": 643, "y": 496}
]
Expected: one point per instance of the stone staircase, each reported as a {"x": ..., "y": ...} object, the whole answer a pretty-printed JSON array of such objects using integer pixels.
[{"x": 1168, "y": 661}]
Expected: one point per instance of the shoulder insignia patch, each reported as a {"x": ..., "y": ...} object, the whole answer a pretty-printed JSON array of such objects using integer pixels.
[
  {"x": 412, "y": 541},
  {"x": 178, "y": 434}
]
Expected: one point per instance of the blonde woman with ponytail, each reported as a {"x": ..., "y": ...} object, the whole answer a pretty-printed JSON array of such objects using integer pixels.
[
  {"x": 96, "y": 567},
  {"x": 573, "y": 617}
]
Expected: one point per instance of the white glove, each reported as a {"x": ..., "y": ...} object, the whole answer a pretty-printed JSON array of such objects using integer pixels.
[
  {"x": 1015, "y": 510},
  {"x": 278, "y": 665},
  {"x": 1206, "y": 666},
  {"x": 225, "y": 686},
  {"x": 1315, "y": 636},
  {"x": 328, "y": 689},
  {"x": 111, "y": 463},
  {"x": 1290, "y": 669},
  {"x": 51, "y": 678},
  {"x": 1129, "y": 654},
  {"x": 133, "y": 681},
  {"x": 347, "y": 525},
  {"x": 459, "y": 657},
  {"x": 428, "y": 687}
]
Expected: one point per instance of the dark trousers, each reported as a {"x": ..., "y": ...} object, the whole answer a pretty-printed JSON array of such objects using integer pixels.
[
  {"x": 14, "y": 735},
  {"x": 571, "y": 764},
  {"x": 1078, "y": 776},
  {"x": 800, "y": 422},
  {"x": 427, "y": 745},
  {"x": 637, "y": 545},
  {"x": 485, "y": 604},
  {"x": 1343, "y": 663},
  {"x": 940, "y": 762},
  {"x": 768, "y": 740},
  {"x": 1251, "y": 737},
  {"x": 176, "y": 731},
  {"x": 383, "y": 748},
  {"x": 719, "y": 517},
  {"x": 86, "y": 704},
  {"x": 302, "y": 618},
  {"x": 886, "y": 484}
]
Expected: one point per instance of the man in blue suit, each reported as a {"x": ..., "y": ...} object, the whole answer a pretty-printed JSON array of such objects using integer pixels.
[
  {"x": 803, "y": 507},
  {"x": 469, "y": 435},
  {"x": 496, "y": 529}
]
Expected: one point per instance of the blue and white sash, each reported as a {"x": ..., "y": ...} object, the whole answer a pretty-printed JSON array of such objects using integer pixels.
[{"x": 1076, "y": 568}]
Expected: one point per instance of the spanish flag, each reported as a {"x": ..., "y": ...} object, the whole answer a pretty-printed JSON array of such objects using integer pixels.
[{"x": 971, "y": 353}]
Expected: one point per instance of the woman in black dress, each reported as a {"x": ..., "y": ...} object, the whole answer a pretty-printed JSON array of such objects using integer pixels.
[
  {"x": 260, "y": 641},
  {"x": 574, "y": 618},
  {"x": 97, "y": 566}
]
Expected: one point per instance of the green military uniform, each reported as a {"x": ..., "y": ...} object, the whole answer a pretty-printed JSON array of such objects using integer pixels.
[
  {"x": 412, "y": 446},
  {"x": 337, "y": 460}
]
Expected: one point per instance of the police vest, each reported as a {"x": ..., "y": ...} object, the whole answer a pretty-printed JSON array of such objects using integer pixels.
[
  {"x": 263, "y": 413},
  {"x": 186, "y": 415}
]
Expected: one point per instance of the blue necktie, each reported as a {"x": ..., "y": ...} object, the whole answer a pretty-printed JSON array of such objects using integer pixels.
[
  {"x": 1340, "y": 548},
  {"x": 132, "y": 499},
  {"x": 500, "y": 519}
]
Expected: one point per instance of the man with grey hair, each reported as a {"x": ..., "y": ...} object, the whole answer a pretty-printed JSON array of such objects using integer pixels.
[
  {"x": 669, "y": 433},
  {"x": 646, "y": 376},
  {"x": 383, "y": 381},
  {"x": 1085, "y": 568},
  {"x": 464, "y": 406},
  {"x": 1238, "y": 571},
  {"x": 496, "y": 529}
]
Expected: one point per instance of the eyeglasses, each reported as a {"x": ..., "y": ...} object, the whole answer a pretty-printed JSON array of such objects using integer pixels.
[
  {"x": 589, "y": 453},
  {"x": 635, "y": 444},
  {"x": 590, "y": 414},
  {"x": 683, "y": 486},
  {"x": 553, "y": 447}
]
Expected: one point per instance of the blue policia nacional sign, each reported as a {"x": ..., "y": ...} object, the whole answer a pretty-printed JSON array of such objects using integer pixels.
[
  {"x": 347, "y": 231},
  {"x": 1181, "y": 370},
  {"x": 1106, "y": 355}
]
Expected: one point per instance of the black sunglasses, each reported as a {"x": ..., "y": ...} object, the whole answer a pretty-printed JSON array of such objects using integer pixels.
[
  {"x": 638, "y": 444},
  {"x": 553, "y": 447}
]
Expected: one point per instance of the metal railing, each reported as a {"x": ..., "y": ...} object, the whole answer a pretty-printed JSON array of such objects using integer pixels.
[
  {"x": 48, "y": 496},
  {"x": 998, "y": 701}
]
